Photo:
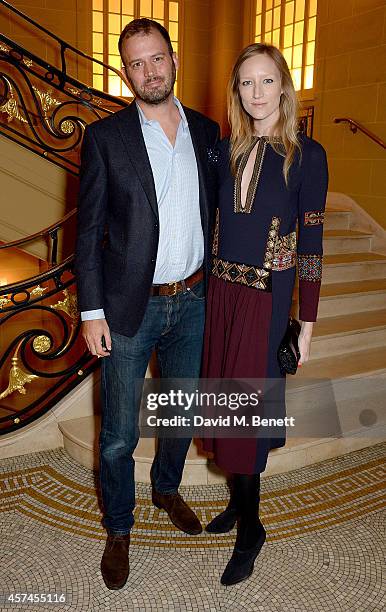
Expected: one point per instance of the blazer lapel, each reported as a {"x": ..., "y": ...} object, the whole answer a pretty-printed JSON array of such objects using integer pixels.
[{"x": 131, "y": 133}]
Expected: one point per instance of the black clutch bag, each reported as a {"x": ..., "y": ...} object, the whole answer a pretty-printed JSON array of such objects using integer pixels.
[{"x": 288, "y": 353}]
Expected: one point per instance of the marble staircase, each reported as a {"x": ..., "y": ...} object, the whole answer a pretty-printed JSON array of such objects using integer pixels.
[{"x": 348, "y": 361}]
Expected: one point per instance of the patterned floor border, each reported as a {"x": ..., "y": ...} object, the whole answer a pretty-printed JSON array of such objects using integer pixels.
[
  {"x": 48, "y": 494},
  {"x": 324, "y": 553}
]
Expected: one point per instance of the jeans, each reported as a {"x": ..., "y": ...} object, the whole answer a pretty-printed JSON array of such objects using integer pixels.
[{"x": 174, "y": 326}]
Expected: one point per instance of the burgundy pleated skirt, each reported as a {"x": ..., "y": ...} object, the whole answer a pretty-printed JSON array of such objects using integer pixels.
[{"x": 236, "y": 345}]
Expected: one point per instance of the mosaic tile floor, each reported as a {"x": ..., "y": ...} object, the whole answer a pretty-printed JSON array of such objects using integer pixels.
[{"x": 325, "y": 548}]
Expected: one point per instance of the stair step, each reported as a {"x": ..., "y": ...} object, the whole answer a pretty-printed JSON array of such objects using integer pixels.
[
  {"x": 336, "y": 202},
  {"x": 337, "y": 219},
  {"x": 343, "y": 334},
  {"x": 345, "y": 233},
  {"x": 353, "y": 267},
  {"x": 346, "y": 393},
  {"x": 357, "y": 363},
  {"x": 345, "y": 298},
  {"x": 331, "y": 383},
  {"x": 333, "y": 289},
  {"x": 343, "y": 258},
  {"x": 337, "y": 407},
  {"x": 80, "y": 437},
  {"x": 332, "y": 208},
  {"x": 345, "y": 241}
]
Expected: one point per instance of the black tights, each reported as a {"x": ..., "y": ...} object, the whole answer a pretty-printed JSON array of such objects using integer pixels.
[{"x": 245, "y": 497}]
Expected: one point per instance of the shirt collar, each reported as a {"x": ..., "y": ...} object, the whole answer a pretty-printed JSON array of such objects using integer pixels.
[{"x": 144, "y": 121}]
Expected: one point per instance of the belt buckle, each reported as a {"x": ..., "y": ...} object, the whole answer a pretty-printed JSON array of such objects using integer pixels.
[{"x": 175, "y": 283}]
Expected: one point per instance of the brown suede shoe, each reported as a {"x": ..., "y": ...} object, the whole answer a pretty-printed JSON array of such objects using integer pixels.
[
  {"x": 179, "y": 512},
  {"x": 115, "y": 561}
]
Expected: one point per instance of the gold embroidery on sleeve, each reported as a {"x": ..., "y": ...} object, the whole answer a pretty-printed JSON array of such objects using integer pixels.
[
  {"x": 313, "y": 217},
  {"x": 310, "y": 267}
]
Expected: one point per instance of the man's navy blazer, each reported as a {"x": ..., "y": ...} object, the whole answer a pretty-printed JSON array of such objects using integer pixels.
[{"x": 118, "y": 224}]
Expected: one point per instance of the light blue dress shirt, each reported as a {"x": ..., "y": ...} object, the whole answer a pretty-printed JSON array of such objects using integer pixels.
[{"x": 181, "y": 241}]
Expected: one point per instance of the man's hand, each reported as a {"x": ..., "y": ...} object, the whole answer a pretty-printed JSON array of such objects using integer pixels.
[
  {"x": 305, "y": 337},
  {"x": 92, "y": 332}
]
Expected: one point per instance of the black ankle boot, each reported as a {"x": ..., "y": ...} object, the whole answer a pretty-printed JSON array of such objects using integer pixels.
[
  {"x": 250, "y": 532},
  {"x": 223, "y": 522},
  {"x": 240, "y": 565},
  {"x": 226, "y": 520}
]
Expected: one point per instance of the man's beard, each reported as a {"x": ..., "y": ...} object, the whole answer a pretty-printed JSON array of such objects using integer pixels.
[{"x": 159, "y": 94}]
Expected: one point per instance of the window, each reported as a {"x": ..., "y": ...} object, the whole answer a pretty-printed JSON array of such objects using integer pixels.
[
  {"x": 290, "y": 25},
  {"x": 109, "y": 17}
]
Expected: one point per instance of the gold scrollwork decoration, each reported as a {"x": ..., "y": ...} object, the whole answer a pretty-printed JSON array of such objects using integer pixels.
[
  {"x": 4, "y": 300},
  {"x": 41, "y": 344},
  {"x": 11, "y": 107},
  {"x": 38, "y": 291},
  {"x": 18, "y": 378},
  {"x": 46, "y": 100},
  {"x": 97, "y": 100},
  {"x": 28, "y": 62},
  {"x": 67, "y": 127},
  {"x": 77, "y": 92},
  {"x": 69, "y": 305},
  {"x": 74, "y": 91}
]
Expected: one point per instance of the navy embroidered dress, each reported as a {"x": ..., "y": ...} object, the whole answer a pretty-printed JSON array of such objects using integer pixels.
[{"x": 256, "y": 250}]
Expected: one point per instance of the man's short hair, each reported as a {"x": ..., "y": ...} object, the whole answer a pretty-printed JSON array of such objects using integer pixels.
[{"x": 143, "y": 26}]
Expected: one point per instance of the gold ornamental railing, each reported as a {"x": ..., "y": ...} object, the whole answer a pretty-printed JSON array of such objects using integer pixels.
[
  {"x": 42, "y": 354},
  {"x": 43, "y": 107}
]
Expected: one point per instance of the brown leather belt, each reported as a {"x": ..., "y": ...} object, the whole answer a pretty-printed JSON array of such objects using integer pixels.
[{"x": 177, "y": 286}]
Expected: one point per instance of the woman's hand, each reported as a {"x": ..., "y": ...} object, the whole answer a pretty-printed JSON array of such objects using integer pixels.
[{"x": 305, "y": 337}]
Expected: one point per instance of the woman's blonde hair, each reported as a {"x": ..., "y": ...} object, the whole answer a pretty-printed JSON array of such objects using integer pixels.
[{"x": 241, "y": 123}]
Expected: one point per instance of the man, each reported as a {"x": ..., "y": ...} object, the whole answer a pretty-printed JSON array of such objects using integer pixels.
[{"x": 145, "y": 210}]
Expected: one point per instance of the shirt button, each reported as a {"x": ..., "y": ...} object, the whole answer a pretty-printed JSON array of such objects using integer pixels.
[{"x": 152, "y": 260}]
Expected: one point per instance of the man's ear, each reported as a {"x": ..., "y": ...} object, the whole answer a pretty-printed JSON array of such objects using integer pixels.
[
  {"x": 175, "y": 60},
  {"x": 124, "y": 76}
]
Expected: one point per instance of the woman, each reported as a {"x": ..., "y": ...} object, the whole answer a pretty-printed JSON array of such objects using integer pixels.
[{"x": 271, "y": 178}]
